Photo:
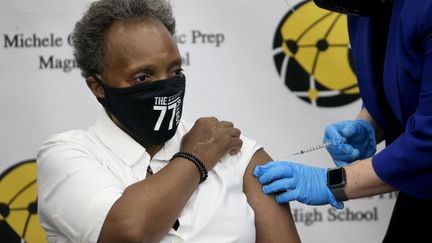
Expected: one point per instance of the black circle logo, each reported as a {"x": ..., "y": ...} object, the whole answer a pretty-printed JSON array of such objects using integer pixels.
[
  {"x": 313, "y": 56},
  {"x": 18, "y": 205}
]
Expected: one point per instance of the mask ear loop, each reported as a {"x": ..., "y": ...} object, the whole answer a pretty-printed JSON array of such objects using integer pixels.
[
  {"x": 98, "y": 80},
  {"x": 101, "y": 83}
]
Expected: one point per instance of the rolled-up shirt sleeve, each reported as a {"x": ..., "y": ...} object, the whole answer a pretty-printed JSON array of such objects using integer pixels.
[
  {"x": 406, "y": 164},
  {"x": 76, "y": 190}
]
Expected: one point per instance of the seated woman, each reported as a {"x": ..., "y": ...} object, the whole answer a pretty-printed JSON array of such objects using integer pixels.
[{"x": 141, "y": 174}]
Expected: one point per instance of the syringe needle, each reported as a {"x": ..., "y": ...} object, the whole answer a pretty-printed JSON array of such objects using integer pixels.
[{"x": 316, "y": 147}]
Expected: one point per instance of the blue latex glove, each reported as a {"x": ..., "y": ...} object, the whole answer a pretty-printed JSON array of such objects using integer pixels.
[
  {"x": 292, "y": 181},
  {"x": 360, "y": 141}
]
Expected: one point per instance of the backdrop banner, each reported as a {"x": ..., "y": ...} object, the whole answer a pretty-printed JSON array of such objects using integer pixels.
[{"x": 280, "y": 70}]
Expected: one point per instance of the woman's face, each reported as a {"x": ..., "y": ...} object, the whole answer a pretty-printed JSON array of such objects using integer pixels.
[{"x": 140, "y": 51}]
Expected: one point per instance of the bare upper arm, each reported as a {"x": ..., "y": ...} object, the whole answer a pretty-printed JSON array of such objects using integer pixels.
[{"x": 273, "y": 222}]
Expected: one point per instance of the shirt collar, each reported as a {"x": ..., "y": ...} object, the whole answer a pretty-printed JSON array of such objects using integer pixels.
[
  {"x": 170, "y": 147},
  {"x": 130, "y": 151},
  {"x": 118, "y": 141}
]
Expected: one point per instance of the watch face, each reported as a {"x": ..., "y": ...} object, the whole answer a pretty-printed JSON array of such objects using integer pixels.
[{"x": 335, "y": 176}]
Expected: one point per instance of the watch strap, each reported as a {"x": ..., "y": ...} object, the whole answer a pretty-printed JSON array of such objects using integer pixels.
[{"x": 339, "y": 194}]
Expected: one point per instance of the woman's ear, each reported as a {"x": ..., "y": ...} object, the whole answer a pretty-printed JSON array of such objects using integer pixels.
[{"x": 95, "y": 87}]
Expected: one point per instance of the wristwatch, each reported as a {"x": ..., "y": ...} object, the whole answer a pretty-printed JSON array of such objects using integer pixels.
[{"x": 336, "y": 181}]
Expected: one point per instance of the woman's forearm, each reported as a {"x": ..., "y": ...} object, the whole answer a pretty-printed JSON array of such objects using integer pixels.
[
  {"x": 362, "y": 181},
  {"x": 147, "y": 209}
]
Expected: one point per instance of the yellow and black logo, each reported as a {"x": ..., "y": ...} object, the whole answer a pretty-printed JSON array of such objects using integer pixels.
[
  {"x": 18, "y": 205},
  {"x": 313, "y": 56}
]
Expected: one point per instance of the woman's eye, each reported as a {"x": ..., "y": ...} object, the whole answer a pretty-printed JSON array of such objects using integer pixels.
[
  {"x": 179, "y": 72},
  {"x": 142, "y": 78}
]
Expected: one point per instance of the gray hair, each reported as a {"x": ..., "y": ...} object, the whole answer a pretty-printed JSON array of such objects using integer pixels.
[{"x": 89, "y": 35}]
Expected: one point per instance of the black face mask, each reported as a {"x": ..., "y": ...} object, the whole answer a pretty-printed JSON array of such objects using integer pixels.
[
  {"x": 354, "y": 7},
  {"x": 151, "y": 111}
]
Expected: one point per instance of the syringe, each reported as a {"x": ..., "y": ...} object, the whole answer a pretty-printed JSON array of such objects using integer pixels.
[{"x": 316, "y": 147}]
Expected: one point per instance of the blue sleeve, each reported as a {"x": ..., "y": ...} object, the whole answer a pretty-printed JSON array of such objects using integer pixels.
[{"x": 406, "y": 164}]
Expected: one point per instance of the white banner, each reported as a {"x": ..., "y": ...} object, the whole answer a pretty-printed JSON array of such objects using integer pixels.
[{"x": 281, "y": 75}]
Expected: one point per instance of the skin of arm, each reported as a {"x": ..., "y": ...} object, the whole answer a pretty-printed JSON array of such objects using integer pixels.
[
  {"x": 174, "y": 183},
  {"x": 273, "y": 222},
  {"x": 362, "y": 181}
]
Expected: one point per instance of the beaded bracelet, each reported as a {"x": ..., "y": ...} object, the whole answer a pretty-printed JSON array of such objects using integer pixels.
[{"x": 198, "y": 163}]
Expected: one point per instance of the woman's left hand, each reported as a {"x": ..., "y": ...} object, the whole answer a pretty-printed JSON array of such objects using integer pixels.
[{"x": 293, "y": 181}]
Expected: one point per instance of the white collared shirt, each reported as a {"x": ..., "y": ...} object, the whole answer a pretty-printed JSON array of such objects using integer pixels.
[{"x": 82, "y": 173}]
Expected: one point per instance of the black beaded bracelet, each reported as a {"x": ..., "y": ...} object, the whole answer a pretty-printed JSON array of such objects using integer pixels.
[{"x": 198, "y": 163}]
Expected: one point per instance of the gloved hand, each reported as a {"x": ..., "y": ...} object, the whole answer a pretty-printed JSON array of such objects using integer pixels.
[
  {"x": 360, "y": 141},
  {"x": 294, "y": 181}
]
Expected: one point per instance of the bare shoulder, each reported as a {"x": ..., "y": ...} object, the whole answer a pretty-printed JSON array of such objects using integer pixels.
[{"x": 273, "y": 222}]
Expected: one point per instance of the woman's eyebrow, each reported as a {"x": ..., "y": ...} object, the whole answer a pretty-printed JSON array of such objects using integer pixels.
[{"x": 175, "y": 62}]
